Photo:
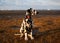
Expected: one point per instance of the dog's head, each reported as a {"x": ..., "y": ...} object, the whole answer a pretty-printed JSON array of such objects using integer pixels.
[{"x": 31, "y": 12}]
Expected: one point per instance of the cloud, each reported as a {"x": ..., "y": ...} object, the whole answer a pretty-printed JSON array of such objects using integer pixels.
[{"x": 24, "y": 4}]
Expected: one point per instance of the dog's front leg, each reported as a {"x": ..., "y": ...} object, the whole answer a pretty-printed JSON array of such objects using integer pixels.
[
  {"x": 31, "y": 36},
  {"x": 26, "y": 37}
]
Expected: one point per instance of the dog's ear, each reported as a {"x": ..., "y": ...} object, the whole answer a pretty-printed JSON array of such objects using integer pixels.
[{"x": 37, "y": 12}]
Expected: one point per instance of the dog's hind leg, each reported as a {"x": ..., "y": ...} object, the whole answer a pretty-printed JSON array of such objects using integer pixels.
[
  {"x": 21, "y": 35},
  {"x": 21, "y": 32}
]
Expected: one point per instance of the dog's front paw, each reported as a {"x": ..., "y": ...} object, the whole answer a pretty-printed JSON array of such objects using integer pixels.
[
  {"x": 26, "y": 38},
  {"x": 32, "y": 38}
]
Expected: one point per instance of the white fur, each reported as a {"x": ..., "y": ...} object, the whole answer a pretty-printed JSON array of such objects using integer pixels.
[{"x": 26, "y": 38}]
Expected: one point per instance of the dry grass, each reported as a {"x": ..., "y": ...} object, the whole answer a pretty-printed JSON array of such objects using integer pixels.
[{"x": 46, "y": 30}]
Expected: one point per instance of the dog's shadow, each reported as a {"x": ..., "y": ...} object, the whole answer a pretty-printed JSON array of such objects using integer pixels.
[{"x": 36, "y": 32}]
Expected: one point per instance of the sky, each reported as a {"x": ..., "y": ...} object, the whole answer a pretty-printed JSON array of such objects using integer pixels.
[{"x": 25, "y": 4}]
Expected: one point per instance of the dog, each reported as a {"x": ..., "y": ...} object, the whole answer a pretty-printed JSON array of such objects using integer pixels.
[{"x": 27, "y": 24}]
